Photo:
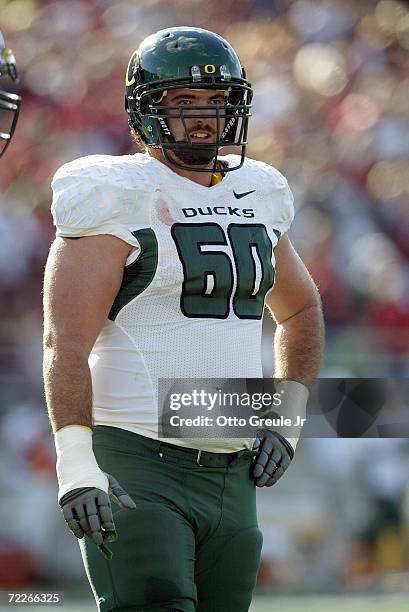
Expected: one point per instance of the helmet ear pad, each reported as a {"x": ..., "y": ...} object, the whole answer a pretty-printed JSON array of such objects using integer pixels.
[{"x": 140, "y": 120}]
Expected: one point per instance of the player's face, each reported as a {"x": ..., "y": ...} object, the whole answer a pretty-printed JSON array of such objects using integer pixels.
[
  {"x": 195, "y": 127},
  {"x": 200, "y": 129}
]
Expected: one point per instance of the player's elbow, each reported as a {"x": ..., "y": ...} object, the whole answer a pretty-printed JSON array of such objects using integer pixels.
[
  {"x": 313, "y": 298},
  {"x": 297, "y": 301},
  {"x": 311, "y": 310}
]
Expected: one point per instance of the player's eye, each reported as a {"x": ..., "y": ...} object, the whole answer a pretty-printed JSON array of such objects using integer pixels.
[{"x": 184, "y": 102}]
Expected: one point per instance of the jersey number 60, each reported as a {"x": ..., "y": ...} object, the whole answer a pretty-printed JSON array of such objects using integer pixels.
[{"x": 208, "y": 273}]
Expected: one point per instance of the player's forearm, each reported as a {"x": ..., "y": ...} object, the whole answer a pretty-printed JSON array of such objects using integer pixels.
[
  {"x": 68, "y": 387},
  {"x": 299, "y": 346}
]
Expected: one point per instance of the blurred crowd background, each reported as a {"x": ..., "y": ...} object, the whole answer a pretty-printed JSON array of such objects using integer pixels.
[{"x": 331, "y": 110}]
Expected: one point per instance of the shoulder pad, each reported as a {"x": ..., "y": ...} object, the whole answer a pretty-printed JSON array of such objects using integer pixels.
[
  {"x": 95, "y": 195},
  {"x": 275, "y": 186}
]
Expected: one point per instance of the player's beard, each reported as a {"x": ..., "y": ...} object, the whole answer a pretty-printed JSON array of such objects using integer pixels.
[
  {"x": 193, "y": 156},
  {"x": 196, "y": 157}
]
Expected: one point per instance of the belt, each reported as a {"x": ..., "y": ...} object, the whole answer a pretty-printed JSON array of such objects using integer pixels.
[
  {"x": 131, "y": 440},
  {"x": 200, "y": 457}
]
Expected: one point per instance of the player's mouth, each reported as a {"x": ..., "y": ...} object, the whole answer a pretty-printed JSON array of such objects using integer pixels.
[{"x": 201, "y": 136}]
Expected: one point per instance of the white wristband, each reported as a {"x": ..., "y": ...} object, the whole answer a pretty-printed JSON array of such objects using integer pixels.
[{"x": 76, "y": 463}]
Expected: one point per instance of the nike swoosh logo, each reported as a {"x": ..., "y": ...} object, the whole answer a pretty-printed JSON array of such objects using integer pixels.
[{"x": 238, "y": 196}]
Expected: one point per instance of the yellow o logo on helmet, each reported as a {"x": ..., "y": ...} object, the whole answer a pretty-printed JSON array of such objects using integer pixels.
[
  {"x": 209, "y": 69},
  {"x": 132, "y": 81}
]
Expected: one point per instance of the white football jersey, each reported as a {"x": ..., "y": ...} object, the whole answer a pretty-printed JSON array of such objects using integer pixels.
[{"x": 192, "y": 295}]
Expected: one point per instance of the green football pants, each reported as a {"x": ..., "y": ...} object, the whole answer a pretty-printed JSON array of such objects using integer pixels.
[{"x": 193, "y": 541}]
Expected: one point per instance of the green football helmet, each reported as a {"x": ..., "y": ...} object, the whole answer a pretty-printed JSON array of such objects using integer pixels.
[
  {"x": 9, "y": 102},
  {"x": 186, "y": 57}
]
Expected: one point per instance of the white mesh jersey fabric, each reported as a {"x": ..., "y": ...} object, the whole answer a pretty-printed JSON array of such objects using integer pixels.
[{"x": 148, "y": 336}]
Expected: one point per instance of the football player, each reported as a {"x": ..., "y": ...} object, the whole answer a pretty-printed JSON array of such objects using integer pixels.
[
  {"x": 9, "y": 102},
  {"x": 161, "y": 268}
]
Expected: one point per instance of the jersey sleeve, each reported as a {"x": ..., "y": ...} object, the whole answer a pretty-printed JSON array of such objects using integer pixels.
[
  {"x": 87, "y": 206},
  {"x": 286, "y": 209}
]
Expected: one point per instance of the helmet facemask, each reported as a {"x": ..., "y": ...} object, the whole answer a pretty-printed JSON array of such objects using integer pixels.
[{"x": 230, "y": 120}]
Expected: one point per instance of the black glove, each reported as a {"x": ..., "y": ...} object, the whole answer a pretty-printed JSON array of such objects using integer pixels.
[
  {"x": 273, "y": 456},
  {"x": 87, "y": 511}
]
